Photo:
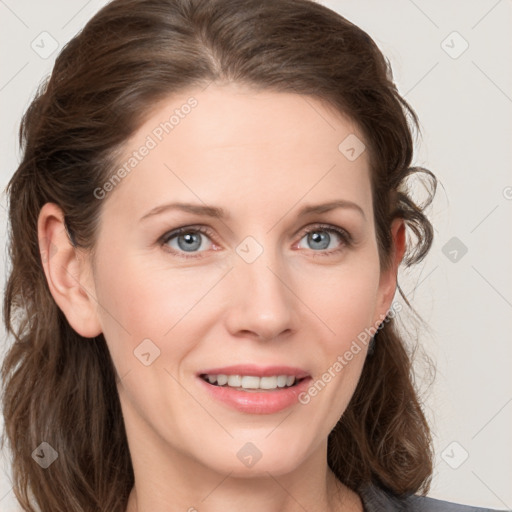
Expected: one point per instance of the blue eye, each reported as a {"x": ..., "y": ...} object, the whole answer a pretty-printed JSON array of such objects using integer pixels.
[
  {"x": 320, "y": 237},
  {"x": 188, "y": 239}
]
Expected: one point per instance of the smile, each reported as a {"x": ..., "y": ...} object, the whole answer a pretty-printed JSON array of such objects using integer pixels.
[{"x": 251, "y": 382}]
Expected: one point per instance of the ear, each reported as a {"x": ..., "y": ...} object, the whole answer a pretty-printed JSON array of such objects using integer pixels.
[
  {"x": 388, "y": 278},
  {"x": 69, "y": 279}
]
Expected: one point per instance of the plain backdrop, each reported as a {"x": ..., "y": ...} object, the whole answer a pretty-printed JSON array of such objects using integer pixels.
[{"x": 451, "y": 61}]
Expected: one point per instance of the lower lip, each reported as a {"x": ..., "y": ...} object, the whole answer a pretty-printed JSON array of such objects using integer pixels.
[{"x": 254, "y": 402}]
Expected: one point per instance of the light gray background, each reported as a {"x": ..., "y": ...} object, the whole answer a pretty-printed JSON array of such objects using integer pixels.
[{"x": 464, "y": 102}]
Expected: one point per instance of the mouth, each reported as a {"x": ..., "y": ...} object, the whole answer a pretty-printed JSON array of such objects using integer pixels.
[
  {"x": 254, "y": 389},
  {"x": 252, "y": 383}
]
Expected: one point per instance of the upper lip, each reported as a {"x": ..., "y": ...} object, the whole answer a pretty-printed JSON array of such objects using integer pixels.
[{"x": 256, "y": 371}]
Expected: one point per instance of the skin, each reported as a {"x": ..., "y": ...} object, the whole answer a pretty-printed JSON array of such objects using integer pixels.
[{"x": 261, "y": 156}]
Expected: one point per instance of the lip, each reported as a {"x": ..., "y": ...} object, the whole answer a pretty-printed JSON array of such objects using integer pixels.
[
  {"x": 256, "y": 371},
  {"x": 254, "y": 402}
]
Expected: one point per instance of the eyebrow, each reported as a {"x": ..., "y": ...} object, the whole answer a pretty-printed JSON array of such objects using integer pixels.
[{"x": 220, "y": 213}]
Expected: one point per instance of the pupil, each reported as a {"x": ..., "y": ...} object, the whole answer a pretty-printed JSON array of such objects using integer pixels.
[{"x": 316, "y": 237}]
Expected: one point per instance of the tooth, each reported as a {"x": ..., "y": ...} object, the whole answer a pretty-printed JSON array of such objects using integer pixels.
[
  {"x": 268, "y": 382},
  {"x": 290, "y": 380},
  {"x": 281, "y": 381},
  {"x": 235, "y": 381},
  {"x": 222, "y": 379},
  {"x": 250, "y": 382}
]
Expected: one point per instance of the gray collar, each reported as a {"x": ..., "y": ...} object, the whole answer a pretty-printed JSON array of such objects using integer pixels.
[{"x": 378, "y": 499}]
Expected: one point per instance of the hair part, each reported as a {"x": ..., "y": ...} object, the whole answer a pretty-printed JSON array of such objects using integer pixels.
[{"x": 105, "y": 81}]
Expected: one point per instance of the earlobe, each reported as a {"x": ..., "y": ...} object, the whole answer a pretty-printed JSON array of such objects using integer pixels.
[{"x": 68, "y": 278}]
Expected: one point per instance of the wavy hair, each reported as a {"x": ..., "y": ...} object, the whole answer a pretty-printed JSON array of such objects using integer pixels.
[{"x": 59, "y": 387}]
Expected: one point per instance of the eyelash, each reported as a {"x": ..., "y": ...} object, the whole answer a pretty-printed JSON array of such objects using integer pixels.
[{"x": 344, "y": 235}]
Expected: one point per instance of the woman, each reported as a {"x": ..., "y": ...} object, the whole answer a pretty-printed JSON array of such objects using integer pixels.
[{"x": 181, "y": 341}]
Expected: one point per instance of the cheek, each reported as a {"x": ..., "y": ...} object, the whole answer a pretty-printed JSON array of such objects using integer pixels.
[
  {"x": 345, "y": 299},
  {"x": 346, "y": 305},
  {"x": 140, "y": 301}
]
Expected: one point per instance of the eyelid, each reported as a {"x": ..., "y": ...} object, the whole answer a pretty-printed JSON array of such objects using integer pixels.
[{"x": 343, "y": 233}]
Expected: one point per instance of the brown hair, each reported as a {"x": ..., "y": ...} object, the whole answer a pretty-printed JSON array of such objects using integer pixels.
[{"x": 61, "y": 387}]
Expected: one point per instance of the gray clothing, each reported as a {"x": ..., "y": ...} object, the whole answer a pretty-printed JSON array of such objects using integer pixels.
[{"x": 376, "y": 499}]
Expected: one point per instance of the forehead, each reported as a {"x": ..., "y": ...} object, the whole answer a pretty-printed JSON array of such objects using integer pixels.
[{"x": 230, "y": 141}]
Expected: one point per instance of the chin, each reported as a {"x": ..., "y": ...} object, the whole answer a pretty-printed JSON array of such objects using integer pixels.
[{"x": 249, "y": 459}]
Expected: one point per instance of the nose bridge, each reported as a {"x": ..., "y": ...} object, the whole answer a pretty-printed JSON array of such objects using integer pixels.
[{"x": 263, "y": 301}]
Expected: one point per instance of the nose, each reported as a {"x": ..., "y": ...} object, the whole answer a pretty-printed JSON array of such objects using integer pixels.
[{"x": 261, "y": 302}]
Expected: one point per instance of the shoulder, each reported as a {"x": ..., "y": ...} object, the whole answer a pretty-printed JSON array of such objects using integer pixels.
[
  {"x": 377, "y": 499},
  {"x": 422, "y": 503}
]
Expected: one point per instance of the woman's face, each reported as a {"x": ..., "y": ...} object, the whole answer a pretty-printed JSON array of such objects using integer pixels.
[{"x": 254, "y": 291}]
